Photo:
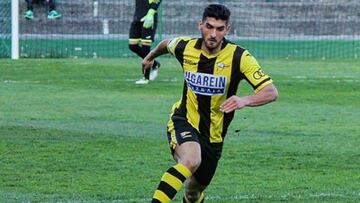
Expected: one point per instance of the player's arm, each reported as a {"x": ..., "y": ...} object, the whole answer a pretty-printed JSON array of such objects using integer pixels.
[
  {"x": 266, "y": 95},
  {"x": 265, "y": 91},
  {"x": 159, "y": 50}
]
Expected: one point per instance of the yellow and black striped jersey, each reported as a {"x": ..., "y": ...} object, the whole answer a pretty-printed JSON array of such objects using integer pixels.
[{"x": 208, "y": 81}]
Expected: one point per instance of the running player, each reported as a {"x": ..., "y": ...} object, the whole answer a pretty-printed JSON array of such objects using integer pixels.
[{"x": 213, "y": 68}]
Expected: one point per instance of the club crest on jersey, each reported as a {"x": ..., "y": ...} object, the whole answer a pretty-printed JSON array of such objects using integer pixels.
[
  {"x": 222, "y": 65},
  {"x": 205, "y": 84}
]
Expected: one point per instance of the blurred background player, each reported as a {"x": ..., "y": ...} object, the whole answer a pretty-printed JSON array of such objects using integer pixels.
[
  {"x": 53, "y": 14},
  {"x": 142, "y": 33}
]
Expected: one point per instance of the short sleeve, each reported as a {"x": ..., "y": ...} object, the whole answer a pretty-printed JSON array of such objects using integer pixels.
[
  {"x": 253, "y": 73},
  {"x": 172, "y": 44}
]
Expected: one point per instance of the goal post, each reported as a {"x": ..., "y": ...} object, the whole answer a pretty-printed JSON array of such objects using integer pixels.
[{"x": 15, "y": 29}]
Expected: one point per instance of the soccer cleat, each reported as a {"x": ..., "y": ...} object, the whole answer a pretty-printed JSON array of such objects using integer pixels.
[
  {"x": 200, "y": 200},
  {"x": 154, "y": 71},
  {"x": 153, "y": 74},
  {"x": 53, "y": 15},
  {"x": 29, "y": 15},
  {"x": 142, "y": 81}
]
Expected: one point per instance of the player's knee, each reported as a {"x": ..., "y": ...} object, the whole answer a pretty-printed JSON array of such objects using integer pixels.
[{"x": 192, "y": 163}]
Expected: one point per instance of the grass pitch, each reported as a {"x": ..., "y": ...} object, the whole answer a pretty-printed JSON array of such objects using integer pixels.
[{"x": 81, "y": 131}]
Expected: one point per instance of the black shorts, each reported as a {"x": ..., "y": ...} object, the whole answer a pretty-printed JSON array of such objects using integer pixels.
[
  {"x": 210, "y": 152},
  {"x": 138, "y": 32}
]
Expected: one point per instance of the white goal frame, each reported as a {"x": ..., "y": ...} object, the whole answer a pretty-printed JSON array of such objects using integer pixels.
[{"x": 14, "y": 29}]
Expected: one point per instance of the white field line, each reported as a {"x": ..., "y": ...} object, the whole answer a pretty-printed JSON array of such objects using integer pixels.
[{"x": 254, "y": 197}]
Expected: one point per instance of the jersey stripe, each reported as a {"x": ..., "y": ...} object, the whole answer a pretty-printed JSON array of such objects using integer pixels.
[
  {"x": 236, "y": 76},
  {"x": 190, "y": 64},
  {"x": 205, "y": 65},
  {"x": 180, "y": 108},
  {"x": 179, "y": 51},
  {"x": 210, "y": 79}
]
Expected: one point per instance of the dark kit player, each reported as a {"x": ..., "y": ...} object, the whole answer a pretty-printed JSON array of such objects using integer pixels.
[
  {"x": 53, "y": 14},
  {"x": 142, "y": 33}
]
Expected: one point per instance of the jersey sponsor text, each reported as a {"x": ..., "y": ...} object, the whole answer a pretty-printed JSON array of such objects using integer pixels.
[{"x": 205, "y": 84}]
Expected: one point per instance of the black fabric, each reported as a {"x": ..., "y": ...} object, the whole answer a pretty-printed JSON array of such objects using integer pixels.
[
  {"x": 52, "y": 4},
  {"x": 167, "y": 189},
  {"x": 137, "y": 31},
  {"x": 210, "y": 152}
]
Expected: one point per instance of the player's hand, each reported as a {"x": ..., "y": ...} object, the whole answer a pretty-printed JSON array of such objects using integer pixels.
[
  {"x": 146, "y": 64},
  {"x": 148, "y": 19},
  {"x": 233, "y": 103}
]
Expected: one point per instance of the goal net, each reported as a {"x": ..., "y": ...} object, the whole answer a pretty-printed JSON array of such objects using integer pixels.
[
  {"x": 5, "y": 28},
  {"x": 322, "y": 29}
]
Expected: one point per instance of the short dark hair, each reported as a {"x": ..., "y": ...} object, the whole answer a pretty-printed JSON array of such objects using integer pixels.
[{"x": 217, "y": 11}]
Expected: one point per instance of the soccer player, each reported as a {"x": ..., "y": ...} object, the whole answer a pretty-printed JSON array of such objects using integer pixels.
[
  {"x": 142, "y": 33},
  {"x": 213, "y": 68},
  {"x": 53, "y": 14}
]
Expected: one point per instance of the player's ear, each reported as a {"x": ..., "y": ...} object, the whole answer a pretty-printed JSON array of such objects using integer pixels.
[
  {"x": 228, "y": 28},
  {"x": 200, "y": 23}
]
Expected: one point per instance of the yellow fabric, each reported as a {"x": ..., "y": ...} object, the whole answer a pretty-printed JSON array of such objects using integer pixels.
[
  {"x": 174, "y": 42},
  {"x": 134, "y": 41},
  {"x": 154, "y": 1},
  {"x": 183, "y": 170},
  {"x": 202, "y": 196},
  {"x": 146, "y": 41},
  {"x": 211, "y": 75},
  {"x": 161, "y": 196},
  {"x": 172, "y": 181},
  {"x": 251, "y": 69}
]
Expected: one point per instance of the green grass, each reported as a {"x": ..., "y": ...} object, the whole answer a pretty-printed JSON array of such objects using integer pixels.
[{"x": 81, "y": 131}]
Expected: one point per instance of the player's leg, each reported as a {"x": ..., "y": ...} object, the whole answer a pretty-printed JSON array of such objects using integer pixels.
[
  {"x": 147, "y": 38},
  {"x": 52, "y": 5},
  {"x": 135, "y": 38},
  {"x": 187, "y": 152},
  {"x": 188, "y": 158},
  {"x": 135, "y": 45},
  {"x": 53, "y": 14},
  {"x": 29, "y": 14},
  {"x": 201, "y": 178},
  {"x": 30, "y": 4},
  {"x": 194, "y": 191},
  {"x": 145, "y": 49}
]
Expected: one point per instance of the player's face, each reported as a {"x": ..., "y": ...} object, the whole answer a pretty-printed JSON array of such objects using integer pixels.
[{"x": 213, "y": 32}]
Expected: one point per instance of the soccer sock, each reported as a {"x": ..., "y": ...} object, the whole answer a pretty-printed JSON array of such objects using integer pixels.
[
  {"x": 145, "y": 49},
  {"x": 171, "y": 182},
  {"x": 141, "y": 51},
  {"x": 52, "y": 5},
  {"x": 30, "y": 5},
  {"x": 200, "y": 200}
]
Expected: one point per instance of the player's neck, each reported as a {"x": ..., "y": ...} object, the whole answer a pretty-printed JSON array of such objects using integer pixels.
[{"x": 211, "y": 51}]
